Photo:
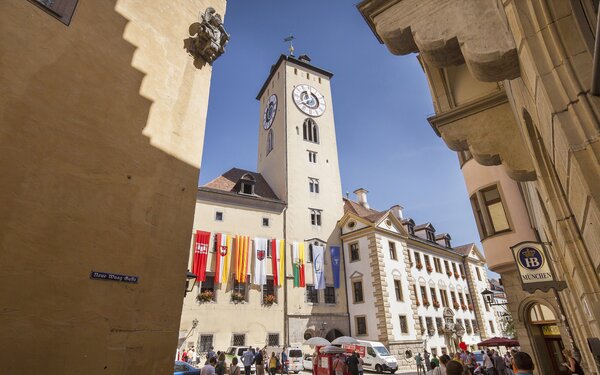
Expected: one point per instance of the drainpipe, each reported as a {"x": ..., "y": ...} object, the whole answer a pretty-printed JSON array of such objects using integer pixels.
[
  {"x": 343, "y": 259},
  {"x": 596, "y": 63}
]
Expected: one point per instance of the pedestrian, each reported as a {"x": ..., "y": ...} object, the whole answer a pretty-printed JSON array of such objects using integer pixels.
[
  {"x": 435, "y": 360},
  {"x": 193, "y": 357},
  {"x": 571, "y": 363},
  {"x": 248, "y": 360},
  {"x": 209, "y": 368},
  {"x": 361, "y": 363},
  {"x": 523, "y": 363},
  {"x": 234, "y": 369},
  {"x": 488, "y": 363},
  {"x": 259, "y": 362},
  {"x": 508, "y": 363},
  {"x": 352, "y": 363},
  {"x": 499, "y": 364},
  {"x": 284, "y": 359},
  {"x": 221, "y": 367},
  {"x": 272, "y": 364},
  {"x": 470, "y": 362},
  {"x": 441, "y": 369},
  {"x": 339, "y": 366},
  {"x": 427, "y": 360},
  {"x": 454, "y": 368},
  {"x": 419, "y": 361},
  {"x": 456, "y": 358},
  {"x": 512, "y": 360},
  {"x": 209, "y": 355},
  {"x": 184, "y": 356},
  {"x": 433, "y": 367}
]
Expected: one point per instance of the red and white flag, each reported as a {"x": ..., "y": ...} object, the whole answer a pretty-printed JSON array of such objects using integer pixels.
[
  {"x": 200, "y": 254},
  {"x": 260, "y": 253},
  {"x": 223, "y": 254},
  {"x": 274, "y": 260}
]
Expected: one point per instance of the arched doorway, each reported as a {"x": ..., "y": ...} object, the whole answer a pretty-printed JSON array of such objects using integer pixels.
[
  {"x": 545, "y": 336},
  {"x": 333, "y": 334}
]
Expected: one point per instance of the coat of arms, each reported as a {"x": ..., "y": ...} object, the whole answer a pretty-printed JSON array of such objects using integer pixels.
[{"x": 260, "y": 254}]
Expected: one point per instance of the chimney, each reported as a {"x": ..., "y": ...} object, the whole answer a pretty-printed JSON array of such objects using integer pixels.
[
  {"x": 397, "y": 211},
  {"x": 361, "y": 195}
]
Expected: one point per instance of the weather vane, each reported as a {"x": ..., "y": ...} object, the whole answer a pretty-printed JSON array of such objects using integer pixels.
[{"x": 290, "y": 39}]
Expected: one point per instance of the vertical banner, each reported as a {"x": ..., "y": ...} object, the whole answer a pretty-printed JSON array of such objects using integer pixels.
[
  {"x": 319, "y": 266},
  {"x": 221, "y": 255},
  {"x": 260, "y": 253},
  {"x": 301, "y": 262},
  {"x": 227, "y": 259},
  {"x": 281, "y": 252},
  {"x": 200, "y": 254},
  {"x": 296, "y": 263},
  {"x": 241, "y": 260},
  {"x": 335, "y": 265},
  {"x": 274, "y": 260}
]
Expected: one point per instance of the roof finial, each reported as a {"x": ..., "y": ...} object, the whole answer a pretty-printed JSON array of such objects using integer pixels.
[{"x": 290, "y": 39}]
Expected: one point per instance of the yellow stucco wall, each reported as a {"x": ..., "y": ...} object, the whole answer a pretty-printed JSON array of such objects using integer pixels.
[{"x": 101, "y": 137}]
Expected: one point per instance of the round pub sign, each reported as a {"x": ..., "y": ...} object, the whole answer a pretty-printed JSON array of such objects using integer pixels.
[{"x": 530, "y": 258}]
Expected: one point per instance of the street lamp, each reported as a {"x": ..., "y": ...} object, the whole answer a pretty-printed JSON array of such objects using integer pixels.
[
  {"x": 190, "y": 282},
  {"x": 488, "y": 297}
]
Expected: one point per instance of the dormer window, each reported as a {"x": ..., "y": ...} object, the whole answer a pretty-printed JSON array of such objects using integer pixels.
[
  {"x": 247, "y": 184},
  {"x": 430, "y": 235},
  {"x": 411, "y": 229},
  {"x": 447, "y": 242}
]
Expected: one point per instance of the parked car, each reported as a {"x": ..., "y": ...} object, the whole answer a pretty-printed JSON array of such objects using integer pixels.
[
  {"x": 236, "y": 352},
  {"x": 182, "y": 368},
  {"x": 294, "y": 360},
  {"x": 307, "y": 362}
]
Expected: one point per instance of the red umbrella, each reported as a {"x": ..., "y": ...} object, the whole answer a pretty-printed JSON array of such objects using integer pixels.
[{"x": 499, "y": 341}]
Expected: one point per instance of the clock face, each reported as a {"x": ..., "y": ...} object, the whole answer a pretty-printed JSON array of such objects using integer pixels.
[
  {"x": 309, "y": 100},
  {"x": 270, "y": 111}
]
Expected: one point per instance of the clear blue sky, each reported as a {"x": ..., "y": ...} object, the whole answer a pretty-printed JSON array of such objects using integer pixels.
[{"x": 380, "y": 102}]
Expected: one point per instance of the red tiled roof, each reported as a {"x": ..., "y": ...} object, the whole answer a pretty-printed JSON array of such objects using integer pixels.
[
  {"x": 359, "y": 210},
  {"x": 228, "y": 181},
  {"x": 464, "y": 249}
]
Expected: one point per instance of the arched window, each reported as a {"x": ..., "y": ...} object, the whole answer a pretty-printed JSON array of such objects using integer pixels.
[
  {"x": 310, "y": 131},
  {"x": 269, "y": 141},
  {"x": 246, "y": 184}
]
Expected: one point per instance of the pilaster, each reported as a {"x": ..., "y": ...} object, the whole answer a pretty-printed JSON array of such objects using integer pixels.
[{"x": 380, "y": 289}]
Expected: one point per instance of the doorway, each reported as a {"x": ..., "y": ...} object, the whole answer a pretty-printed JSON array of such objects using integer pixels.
[{"x": 545, "y": 337}]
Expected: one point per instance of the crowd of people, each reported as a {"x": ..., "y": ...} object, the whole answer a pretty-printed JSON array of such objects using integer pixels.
[
  {"x": 216, "y": 364},
  {"x": 465, "y": 363}
]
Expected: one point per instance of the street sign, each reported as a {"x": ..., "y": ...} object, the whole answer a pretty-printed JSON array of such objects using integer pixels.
[
  {"x": 114, "y": 277},
  {"x": 534, "y": 268}
]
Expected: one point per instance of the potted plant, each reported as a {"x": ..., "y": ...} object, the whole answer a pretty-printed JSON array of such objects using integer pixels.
[
  {"x": 269, "y": 300},
  {"x": 425, "y": 302},
  {"x": 449, "y": 273},
  {"x": 456, "y": 276},
  {"x": 456, "y": 305},
  {"x": 429, "y": 269},
  {"x": 463, "y": 306},
  {"x": 436, "y": 304},
  {"x": 206, "y": 296},
  {"x": 237, "y": 297},
  {"x": 463, "y": 276},
  {"x": 471, "y": 307},
  {"x": 419, "y": 265}
]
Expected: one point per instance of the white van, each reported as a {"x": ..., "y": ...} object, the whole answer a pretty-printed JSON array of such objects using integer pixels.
[
  {"x": 294, "y": 359},
  {"x": 375, "y": 356}
]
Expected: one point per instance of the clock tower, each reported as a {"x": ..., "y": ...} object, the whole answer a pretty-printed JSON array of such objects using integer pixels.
[{"x": 298, "y": 157}]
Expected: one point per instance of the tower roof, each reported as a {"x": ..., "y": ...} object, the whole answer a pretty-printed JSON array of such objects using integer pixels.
[{"x": 303, "y": 63}]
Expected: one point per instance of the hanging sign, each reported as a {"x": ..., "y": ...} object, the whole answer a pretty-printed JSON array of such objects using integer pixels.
[{"x": 534, "y": 267}]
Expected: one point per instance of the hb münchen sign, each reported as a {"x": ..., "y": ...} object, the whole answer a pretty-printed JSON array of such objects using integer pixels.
[{"x": 534, "y": 267}]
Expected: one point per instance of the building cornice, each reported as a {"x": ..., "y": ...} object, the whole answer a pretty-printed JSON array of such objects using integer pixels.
[{"x": 215, "y": 196}]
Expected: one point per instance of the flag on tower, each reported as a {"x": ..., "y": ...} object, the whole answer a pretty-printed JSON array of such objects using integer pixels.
[
  {"x": 281, "y": 257},
  {"x": 274, "y": 260},
  {"x": 202, "y": 239},
  {"x": 260, "y": 253}
]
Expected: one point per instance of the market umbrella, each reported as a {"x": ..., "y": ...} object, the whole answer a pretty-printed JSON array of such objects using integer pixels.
[
  {"x": 332, "y": 350},
  {"x": 344, "y": 340},
  {"x": 317, "y": 341},
  {"x": 499, "y": 341}
]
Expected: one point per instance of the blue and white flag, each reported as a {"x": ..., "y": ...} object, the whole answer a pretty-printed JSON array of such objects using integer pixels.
[
  {"x": 319, "y": 266},
  {"x": 335, "y": 265}
]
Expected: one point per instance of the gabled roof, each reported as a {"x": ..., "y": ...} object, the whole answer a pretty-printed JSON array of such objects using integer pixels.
[
  {"x": 464, "y": 250},
  {"x": 408, "y": 221},
  {"x": 228, "y": 182},
  {"x": 357, "y": 209}
]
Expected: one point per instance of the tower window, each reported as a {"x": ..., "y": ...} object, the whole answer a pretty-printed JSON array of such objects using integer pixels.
[
  {"x": 312, "y": 157},
  {"x": 310, "y": 131},
  {"x": 315, "y": 217},
  {"x": 313, "y": 185},
  {"x": 269, "y": 141},
  {"x": 265, "y": 221},
  {"x": 489, "y": 212},
  {"x": 219, "y": 216}
]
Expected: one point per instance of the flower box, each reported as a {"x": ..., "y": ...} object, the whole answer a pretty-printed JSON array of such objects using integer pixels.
[
  {"x": 269, "y": 300},
  {"x": 449, "y": 273},
  {"x": 456, "y": 305},
  {"x": 429, "y": 269},
  {"x": 464, "y": 276},
  {"x": 425, "y": 303},
  {"x": 237, "y": 297},
  {"x": 419, "y": 265},
  {"x": 463, "y": 306},
  {"x": 456, "y": 276},
  {"x": 206, "y": 296},
  {"x": 471, "y": 307},
  {"x": 436, "y": 304}
]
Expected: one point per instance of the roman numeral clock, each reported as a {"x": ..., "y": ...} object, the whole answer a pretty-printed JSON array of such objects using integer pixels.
[{"x": 309, "y": 100}]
